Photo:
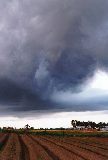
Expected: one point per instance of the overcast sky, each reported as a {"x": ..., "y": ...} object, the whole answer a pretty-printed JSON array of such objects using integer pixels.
[{"x": 53, "y": 57}]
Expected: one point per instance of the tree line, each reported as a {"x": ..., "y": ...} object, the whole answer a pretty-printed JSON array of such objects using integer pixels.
[{"x": 88, "y": 124}]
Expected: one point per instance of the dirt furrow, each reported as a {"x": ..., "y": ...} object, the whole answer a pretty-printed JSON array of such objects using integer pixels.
[
  {"x": 94, "y": 149},
  {"x": 12, "y": 149},
  {"x": 80, "y": 144},
  {"x": 51, "y": 154},
  {"x": 90, "y": 141},
  {"x": 3, "y": 141},
  {"x": 62, "y": 152},
  {"x": 84, "y": 142},
  {"x": 24, "y": 154},
  {"x": 99, "y": 141},
  {"x": 36, "y": 151},
  {"x": 79, "y": 150}
]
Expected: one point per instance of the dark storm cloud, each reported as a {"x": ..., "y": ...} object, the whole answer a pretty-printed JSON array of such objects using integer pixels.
[
  {"x": 49, "y": 45},
  {"x": 19, "y": 98},
  {"x": 73, "y": 73}
]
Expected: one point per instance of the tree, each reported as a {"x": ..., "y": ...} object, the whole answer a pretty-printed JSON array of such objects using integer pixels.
[
  {"x": 73, "y": 123},
  {"x": 27, "y": 126}
]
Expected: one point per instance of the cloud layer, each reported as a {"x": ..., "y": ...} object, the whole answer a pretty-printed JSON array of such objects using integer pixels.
[{"x": 48, "y": 46}]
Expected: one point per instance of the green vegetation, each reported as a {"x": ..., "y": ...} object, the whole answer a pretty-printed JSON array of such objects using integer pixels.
[{"x": 71, "y": 133}]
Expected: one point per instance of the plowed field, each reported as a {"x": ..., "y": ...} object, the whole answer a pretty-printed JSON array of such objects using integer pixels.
[{"x": 31, "y": 147}]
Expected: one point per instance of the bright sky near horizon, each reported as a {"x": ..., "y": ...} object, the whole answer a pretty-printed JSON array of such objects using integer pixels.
[
  {"x": 62, "y": 119},
  {"x": 100, "y": 80}
]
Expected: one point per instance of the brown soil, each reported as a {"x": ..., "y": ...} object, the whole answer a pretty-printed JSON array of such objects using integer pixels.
[
  {"x": 36, "y": 151},
  {"x": 24, "y": 154},
  {"x": 12, "y": 149},
  {"x": 29, "y": 147},
  {"x": 62, "y": 152},
  {"x": 3, "y": 141},
  {"x": 92, "y": 148},
  {"x": 81, "y": 150}
]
